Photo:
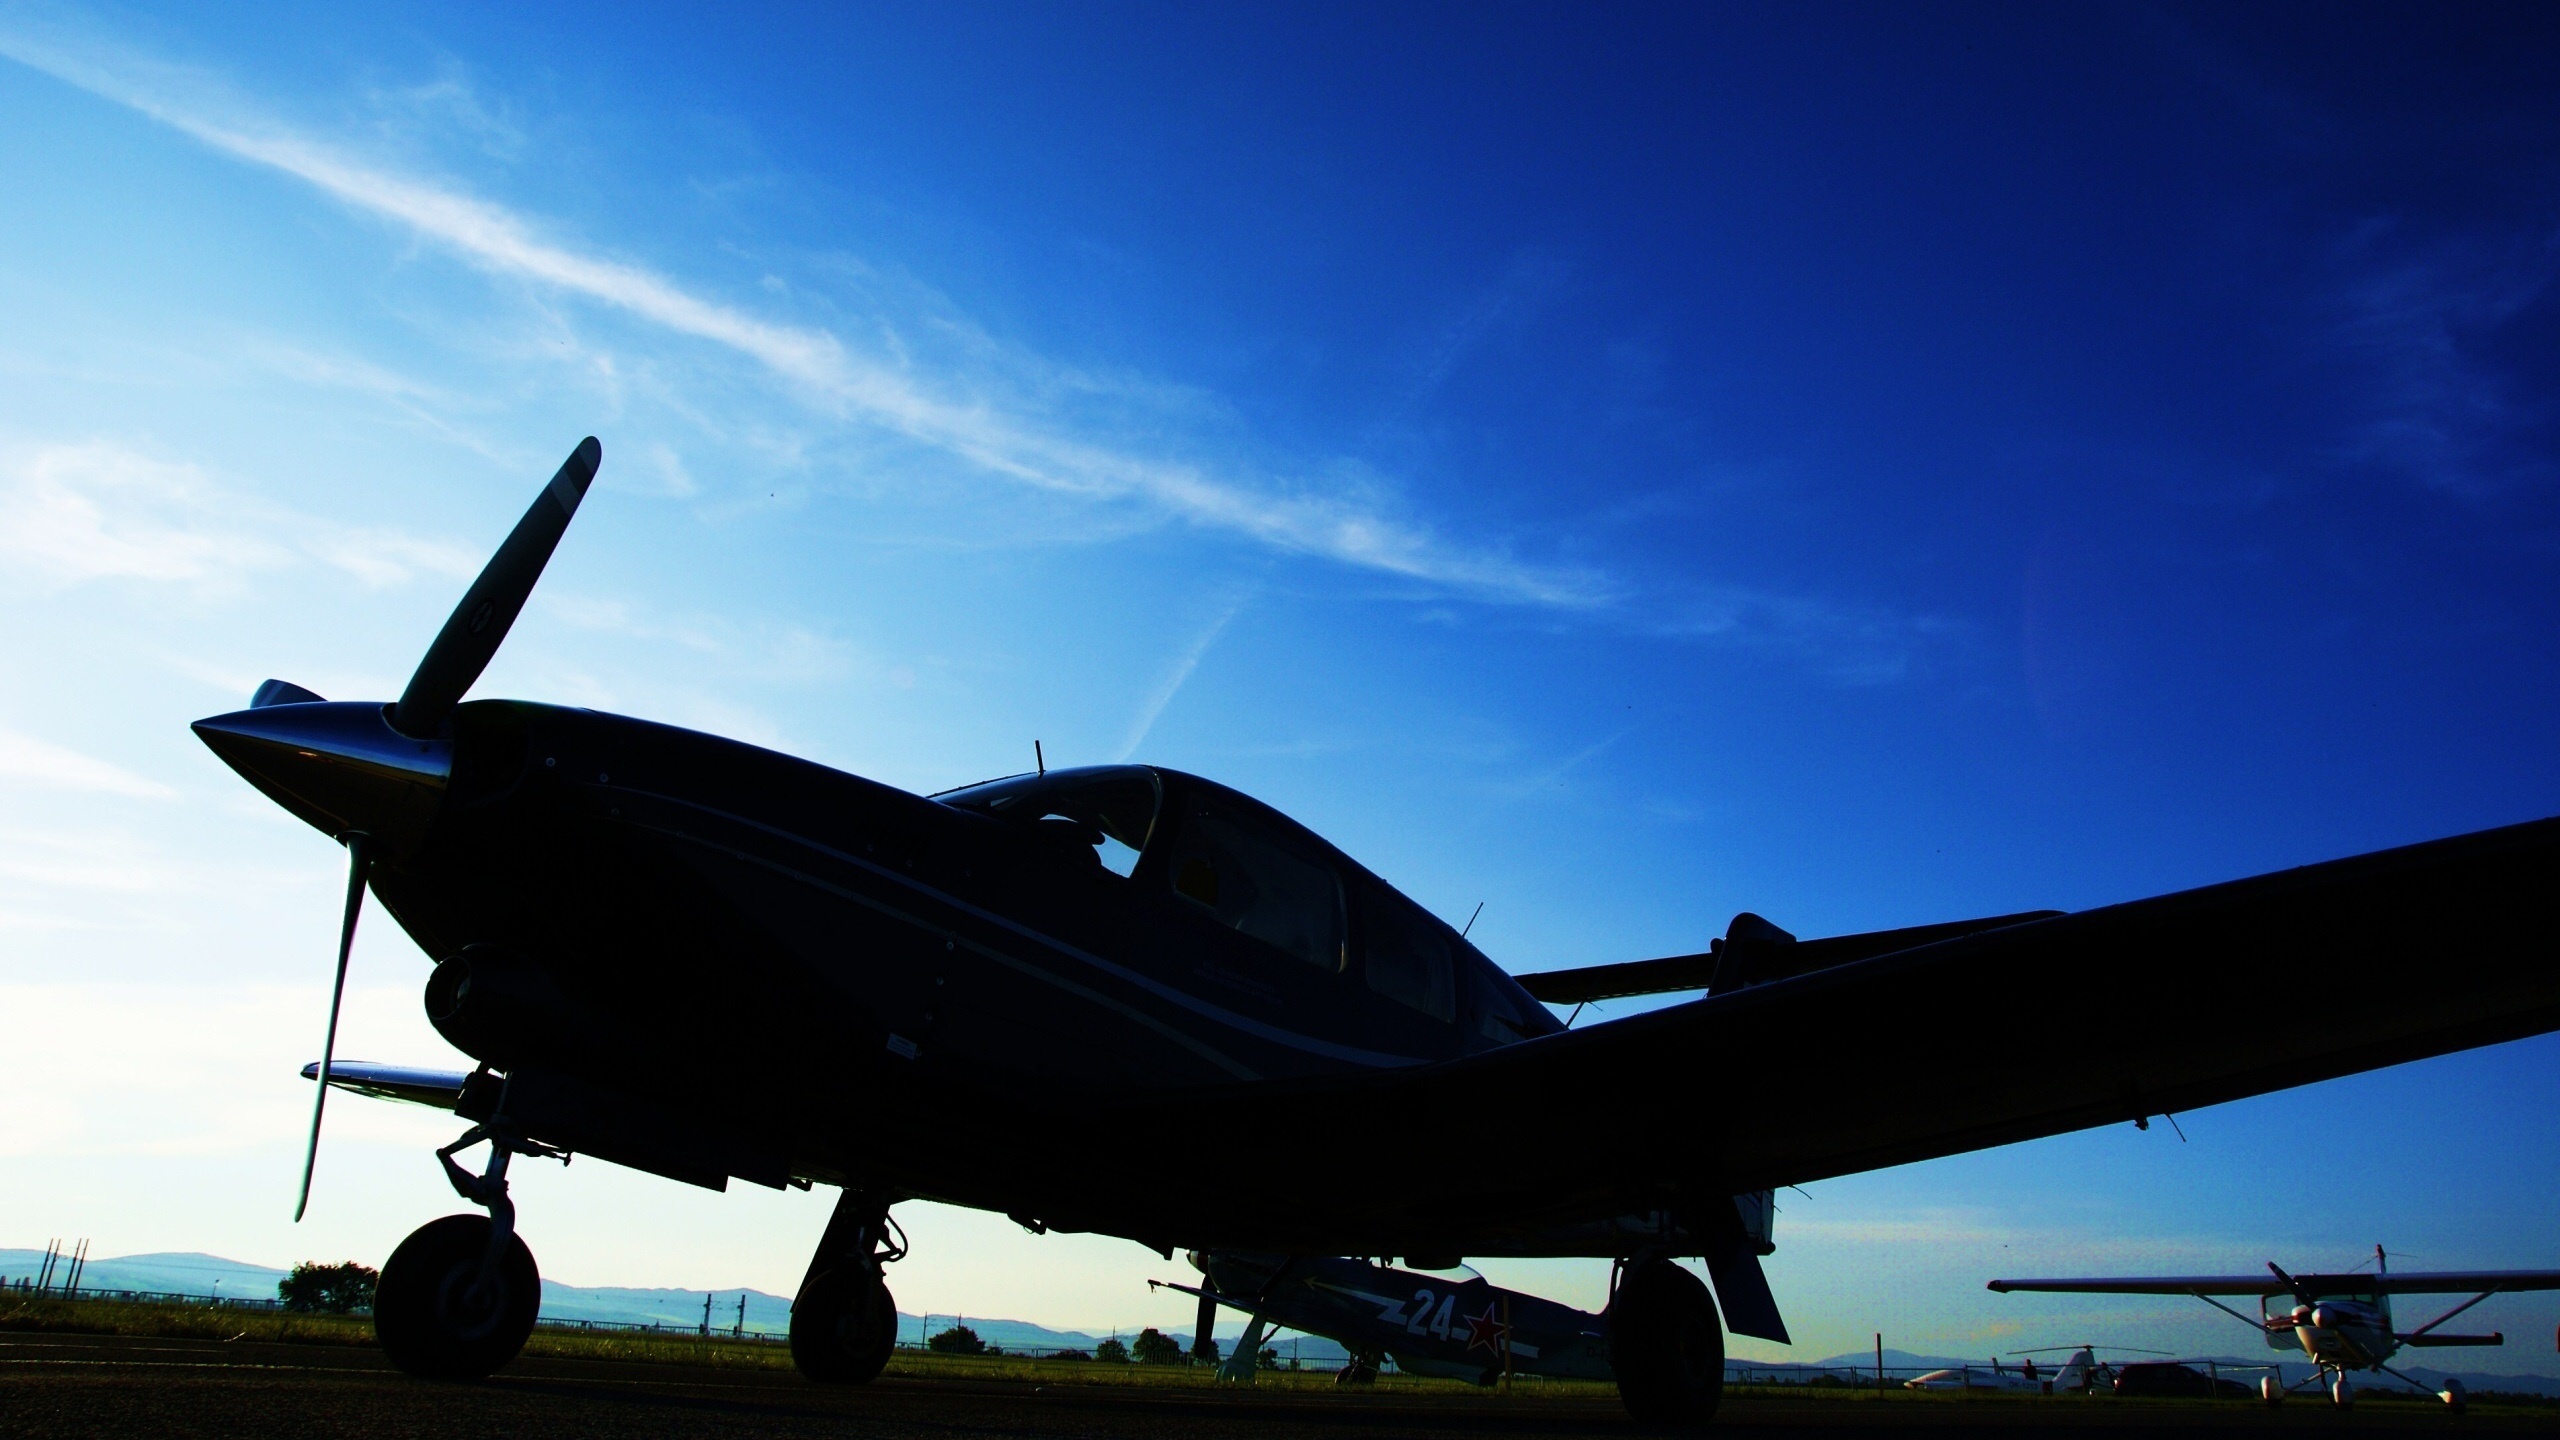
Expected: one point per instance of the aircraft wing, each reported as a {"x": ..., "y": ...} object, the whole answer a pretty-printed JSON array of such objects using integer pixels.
[
  {"x": 439, "y": 1088},
  {"x": 2412, "y": 1282},
  {"x": 1982, "y": 1039},
  {"x": 2261, "y": 1283}
]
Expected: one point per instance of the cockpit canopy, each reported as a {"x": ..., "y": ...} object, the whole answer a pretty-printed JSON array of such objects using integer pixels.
[
  {"x": 1110, "y": 808},
  {"x": 1268, "y": 878}
]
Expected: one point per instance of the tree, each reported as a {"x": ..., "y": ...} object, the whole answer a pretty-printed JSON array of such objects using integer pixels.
[
  {"x": 958, "y": 1340},
  {"x": 1204, "y": 1351},
  {"x": 1269, "y": 1359},
  {"x": 1154, "y": 1347},
  {"x": 1112, "y": 1352},
  {"x": 331, "y": 1289}
]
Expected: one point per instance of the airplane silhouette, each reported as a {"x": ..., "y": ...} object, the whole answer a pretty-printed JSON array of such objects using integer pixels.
[
  {"x": 2342, "y": 1322},
  {"x": 1128, "y": 1000}
]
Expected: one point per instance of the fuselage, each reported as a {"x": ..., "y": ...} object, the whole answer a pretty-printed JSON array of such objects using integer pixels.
[{"x": 770, "y": 969}]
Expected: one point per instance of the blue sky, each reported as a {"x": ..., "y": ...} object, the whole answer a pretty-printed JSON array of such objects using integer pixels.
[{"x": 1862, "y": 465}]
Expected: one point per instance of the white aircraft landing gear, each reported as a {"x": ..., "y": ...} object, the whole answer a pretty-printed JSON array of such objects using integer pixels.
[
  {"x": 1666, "y": 1344},
  {"x": 844, "y": 1321},
  {"x": 2342, "y": 1394},
  {"x": 459, "y": 1296}
]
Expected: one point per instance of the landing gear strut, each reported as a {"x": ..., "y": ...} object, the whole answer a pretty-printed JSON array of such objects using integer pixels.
[
  {"x": 459, "y": 1296},
  {"x": 1666, "y": 1344},
  {"x": 844, "y": 1321}
]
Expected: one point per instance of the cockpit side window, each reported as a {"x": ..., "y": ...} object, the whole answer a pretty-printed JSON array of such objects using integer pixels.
[
  {"x": 1105, "y": 818},
  {"x": 1259, "y": 884},
  {"x": 1407, "y": 958}
]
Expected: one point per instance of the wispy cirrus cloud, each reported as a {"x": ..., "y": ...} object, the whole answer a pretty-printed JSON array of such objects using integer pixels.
[
  {"x": 103, "y": 511},
  {"x": 1308, "y": 518},
  {"x": 26, "y": 759}
]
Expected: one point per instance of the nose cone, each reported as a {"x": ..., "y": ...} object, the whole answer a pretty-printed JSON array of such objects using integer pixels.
[{"x": 339, "y": 766}]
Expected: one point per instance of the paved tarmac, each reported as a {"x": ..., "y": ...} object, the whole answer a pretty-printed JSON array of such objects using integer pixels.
[{"x": 79, "y": 1385}]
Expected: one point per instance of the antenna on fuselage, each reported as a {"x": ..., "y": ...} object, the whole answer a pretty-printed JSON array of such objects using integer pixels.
[
  {"x": 1471, "y": 921},
  {"x": 1038, "y": 759}
]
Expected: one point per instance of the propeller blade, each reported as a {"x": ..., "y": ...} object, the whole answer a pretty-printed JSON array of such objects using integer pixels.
[
  {"x": 359, "y": 862},
  {"x": 462, "y": 649},
  {"x": 1208, "y": 1319},
  {"x": 2289, "y": 1282}
]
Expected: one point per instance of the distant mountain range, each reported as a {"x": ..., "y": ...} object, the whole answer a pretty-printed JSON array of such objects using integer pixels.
[{"x": 190, "y": 1273}]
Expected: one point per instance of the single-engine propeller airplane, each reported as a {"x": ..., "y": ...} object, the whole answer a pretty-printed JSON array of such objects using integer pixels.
[
  {"x": 1009, "y": 996},
  {"x": 2343, "y": 1321}
]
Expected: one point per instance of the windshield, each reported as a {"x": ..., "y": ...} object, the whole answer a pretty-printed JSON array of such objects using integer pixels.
[{"x": 1103, "y": 812}]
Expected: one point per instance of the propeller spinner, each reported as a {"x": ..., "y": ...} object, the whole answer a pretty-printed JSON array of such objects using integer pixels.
[{"x": 372, "y": 776}]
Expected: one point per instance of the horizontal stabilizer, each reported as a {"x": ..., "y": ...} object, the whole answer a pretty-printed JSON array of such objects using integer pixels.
[
  {"x": 439, "y": 1088},
  {"x": 1752, "y": 955}
]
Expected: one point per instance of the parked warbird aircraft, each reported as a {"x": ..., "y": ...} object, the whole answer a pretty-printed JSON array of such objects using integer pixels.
[
  {"x": 1461, "y": 1327},
  {"x": 2343, "y": 1322},
  {"x": 1009, "y": 997}
]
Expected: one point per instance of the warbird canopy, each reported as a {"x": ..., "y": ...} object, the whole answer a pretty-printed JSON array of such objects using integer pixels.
[{"x": 1005, "y": 998}]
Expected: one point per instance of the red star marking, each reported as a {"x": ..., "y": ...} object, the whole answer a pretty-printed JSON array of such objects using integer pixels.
[{"x": 1486, "y": 1330}]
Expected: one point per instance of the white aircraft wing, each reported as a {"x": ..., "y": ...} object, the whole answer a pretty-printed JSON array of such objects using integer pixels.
[{"x": 2413, "y": 1282}]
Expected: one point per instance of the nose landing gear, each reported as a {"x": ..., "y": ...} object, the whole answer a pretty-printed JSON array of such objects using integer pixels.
[
  {"x": 459, "y": 1296},
  {"x": 844, "y": 1321}
]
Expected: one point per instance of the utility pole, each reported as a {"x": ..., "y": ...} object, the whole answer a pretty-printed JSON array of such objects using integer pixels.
[
  {"x": 706, "y": 1317},
  {"x": 741, "y": 1331},
  {"x": 1879, "y": 1364}
]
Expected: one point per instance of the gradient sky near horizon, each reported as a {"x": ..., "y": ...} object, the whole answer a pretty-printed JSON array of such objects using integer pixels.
[{"x": 1860, "y": 464}]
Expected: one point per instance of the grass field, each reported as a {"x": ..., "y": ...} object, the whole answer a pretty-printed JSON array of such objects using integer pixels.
[{"x": 195, "y": 1322}]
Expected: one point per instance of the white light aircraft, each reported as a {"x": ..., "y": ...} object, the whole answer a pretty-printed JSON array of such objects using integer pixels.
[
  {"x": 2079, "y": 1373},
  {"x": 2343, "y": 1322}
]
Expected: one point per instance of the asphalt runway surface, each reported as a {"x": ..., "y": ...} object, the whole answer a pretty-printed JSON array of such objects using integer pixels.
[{"x": 81, "y": 1385}]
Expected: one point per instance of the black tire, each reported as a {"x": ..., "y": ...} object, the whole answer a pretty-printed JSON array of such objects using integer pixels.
[
  {"x": 843, "y": 1325},
  {"x": 1666, "y": 1345},
  {"x": 426, "y": 1314}
]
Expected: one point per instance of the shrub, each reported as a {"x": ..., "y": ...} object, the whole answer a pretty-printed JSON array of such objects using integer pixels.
[
  {"x": 328, "y": 1289},
  {"x": 1112, "y": 1352},
  {"x": 958, "y": 1340}
]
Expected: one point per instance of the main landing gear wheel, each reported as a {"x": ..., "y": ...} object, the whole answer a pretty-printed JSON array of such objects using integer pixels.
[
  {"x": 435, "y": 1313},
  {"x": 842, "y": 1327},
  {"x": 1666, "y": 1345}
]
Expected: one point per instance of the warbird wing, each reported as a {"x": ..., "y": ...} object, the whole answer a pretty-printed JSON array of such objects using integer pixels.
[{"x": 1887, "y": 1060}]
